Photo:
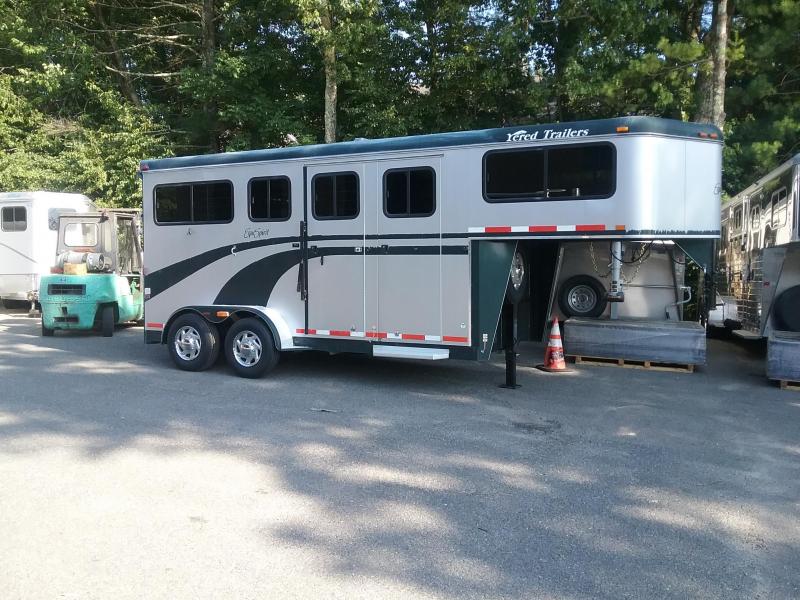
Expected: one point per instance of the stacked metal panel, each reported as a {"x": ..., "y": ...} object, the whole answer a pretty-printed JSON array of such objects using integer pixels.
[
  {"x": 674, "y": 342},
  {"x": 783, "y": 356}
]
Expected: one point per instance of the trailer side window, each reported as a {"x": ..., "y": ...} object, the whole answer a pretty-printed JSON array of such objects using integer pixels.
[
  {"x": 335, "y": 196},
  {"x": 737, "y": 218},
  {"x": 194, "y": 203},
  {"x": 541, "y": 174},
  {"x": 14, "y": 218},
  {"x": 270, "y": 199},
  {"x": 409, "y": 192}
]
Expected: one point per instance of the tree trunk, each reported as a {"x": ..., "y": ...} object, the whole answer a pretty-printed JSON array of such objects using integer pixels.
[
  {"x": 126, "y": 87},
  {"x": 711, "y": 77},
  {"x": 208, "y": 45},
  {"x": 329, "y": 61}
]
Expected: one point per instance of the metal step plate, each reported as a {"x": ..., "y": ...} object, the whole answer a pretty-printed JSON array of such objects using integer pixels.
[{"x": 410, "y": 352}]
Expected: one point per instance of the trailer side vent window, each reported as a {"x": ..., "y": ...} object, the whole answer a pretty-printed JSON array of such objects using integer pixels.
[
  {"x": 195, "y": 203},
  {"x": 541, "y": 174},
  {"x": 409, "y": 192},
  {"x": 14, "y": 218},
  {"x": 270, "y": 199},
  {"x": 336, "y": 196}
]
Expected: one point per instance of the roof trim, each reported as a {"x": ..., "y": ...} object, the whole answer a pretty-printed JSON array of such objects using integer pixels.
[{"x": 521, "y": 133}]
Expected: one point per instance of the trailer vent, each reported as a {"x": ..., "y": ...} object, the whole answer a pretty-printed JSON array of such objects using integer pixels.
[{"x": 66, "y": 289}]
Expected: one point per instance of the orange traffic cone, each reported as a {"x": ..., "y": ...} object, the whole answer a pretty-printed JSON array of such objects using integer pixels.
[{"x": 554, "y": 355}]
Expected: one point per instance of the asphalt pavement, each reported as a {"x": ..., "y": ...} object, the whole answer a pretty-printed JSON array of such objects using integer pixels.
[{"x": 351, "y": 477}]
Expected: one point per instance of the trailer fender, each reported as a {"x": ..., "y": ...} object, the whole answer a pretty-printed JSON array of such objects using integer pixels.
[{"x": 225, "y": 315}]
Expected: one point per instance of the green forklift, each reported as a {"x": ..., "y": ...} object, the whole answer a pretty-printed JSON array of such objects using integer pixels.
[{"x": 96, "y": 282}]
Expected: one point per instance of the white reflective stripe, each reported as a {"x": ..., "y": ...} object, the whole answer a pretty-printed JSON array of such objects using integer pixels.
[
  {"x": 475, "y": 229},
  {"x": 323, "y": 331},
  {"x": 565, "y": 227},
  {"x": 356, "y": 334},
  {"x": 519, "y": 228},
  {"x": 556, "y": 343},
  {"x": 394, "y": 336},
  {"x": 433, "y": 338}
]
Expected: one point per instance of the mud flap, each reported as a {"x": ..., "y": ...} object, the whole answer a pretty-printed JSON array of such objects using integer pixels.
[{"x": 491, "y": 267}]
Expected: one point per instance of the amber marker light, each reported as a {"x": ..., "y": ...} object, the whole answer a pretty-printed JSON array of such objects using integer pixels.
[
  {"x": 622, "y": 129},
  {"x": 223, "y": 314}
]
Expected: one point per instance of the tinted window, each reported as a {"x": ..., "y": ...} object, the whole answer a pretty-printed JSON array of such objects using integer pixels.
[
  {"x": 335, "y": 196},
  {"x": 535, "y": 174},
  {"x": 195, "y": 203},
  {"x": 514, "y": 174},
  {"x": 270, "y": 199},
  {"x": 580, "y": 171},
  {"x": 409, "y": 192},
  {"x": 14, "y": 218}
]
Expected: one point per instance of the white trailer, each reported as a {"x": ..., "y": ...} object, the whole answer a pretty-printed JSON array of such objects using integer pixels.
[
  {"x": 28, "y": 235},
  {"x": 409, "y": 247},
  {"x": 759, "y": 256}
]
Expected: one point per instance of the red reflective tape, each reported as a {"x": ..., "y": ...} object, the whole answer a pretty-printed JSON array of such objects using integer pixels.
[
  {"x": 154, "y": 326},
  {"x": 377, "y": 334},
  {"x": 301, "y": 331},
  {"x": 413, "y": 336},
  {"x": 311, "y": 331},
  {"x": 590, "y": 227},
  {"x": 454, "y": 338},
  {"x": 505, "y": 229},
  {"x": 340, "y": 333},
  {"x": 542, "y": 228}
]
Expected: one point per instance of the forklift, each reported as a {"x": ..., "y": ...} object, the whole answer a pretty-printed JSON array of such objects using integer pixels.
[{"x": 96, "y": 282}]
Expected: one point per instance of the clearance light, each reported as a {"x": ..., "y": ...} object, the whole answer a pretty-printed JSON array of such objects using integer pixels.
[
  {"x": 622, "y": 129},
  {"x": 703, "y": 134},
  {"x": 223, "y": 314},
  {"x": 713, "y": 136},
  {"x": 144, "y": 167}
]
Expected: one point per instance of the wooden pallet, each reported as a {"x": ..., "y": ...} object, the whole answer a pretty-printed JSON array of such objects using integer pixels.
[
  {"x": 628, "y": 363},
  {"x": 789, "y": 385}
]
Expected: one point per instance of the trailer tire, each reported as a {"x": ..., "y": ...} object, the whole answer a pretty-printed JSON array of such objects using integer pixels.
[
  {"x": 787, "y": 317},
  {"x": 582, "y": 296},
  {"x": 193, "y": 342},
  {"x": 250, "y": 349},
  {"x": 107, "y": 321},
  {"x": 518, "y": 277},
  {"x": 47, "y": 332}
]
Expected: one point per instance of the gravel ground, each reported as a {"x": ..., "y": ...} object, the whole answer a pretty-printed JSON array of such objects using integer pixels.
[{"x": 347, "y": 477}]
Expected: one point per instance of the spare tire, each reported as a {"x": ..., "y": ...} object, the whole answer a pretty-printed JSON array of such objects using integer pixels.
[
  {"x": 786, "y": 309},
  {"x": 582, "y": 296}
]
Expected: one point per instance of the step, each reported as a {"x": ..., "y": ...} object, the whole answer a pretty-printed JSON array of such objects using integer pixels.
[{"x": 416, "y": 352}]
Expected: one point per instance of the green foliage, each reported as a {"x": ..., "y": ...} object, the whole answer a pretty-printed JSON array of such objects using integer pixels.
[{"x": 88, "y": 88}]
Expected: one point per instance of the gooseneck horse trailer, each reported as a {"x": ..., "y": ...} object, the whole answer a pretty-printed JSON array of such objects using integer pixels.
[
  {"x": 759, "y": 256},
  {"x": 411, "y": 247},
  {"x": 28, "y": 234}
]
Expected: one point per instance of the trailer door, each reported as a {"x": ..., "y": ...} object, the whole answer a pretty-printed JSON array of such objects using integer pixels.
[
  {"x": 335, "y": 207},
  {"x": 405, "y": 251}
]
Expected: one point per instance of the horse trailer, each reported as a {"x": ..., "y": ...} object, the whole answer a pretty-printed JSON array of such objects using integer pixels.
[
  {"x": 28, "y": 235},
  {"x": 759, "y": 256},
  {"x": 414, "y": 247}
]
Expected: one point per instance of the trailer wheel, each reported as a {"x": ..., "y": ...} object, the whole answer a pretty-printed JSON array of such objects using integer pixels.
[
  {"x": 518, "y": 278},
  {"x": 107, "y": 321},
  {"x": 582, "y": 296},
  {"x": 193, "y": 342},
  {"x": 787, "y": 316},
  {"x": 46, "y": 331},
  {"x": 250, "y": 349}
]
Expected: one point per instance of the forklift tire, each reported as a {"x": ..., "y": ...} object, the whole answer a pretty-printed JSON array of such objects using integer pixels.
[
  {"x": 250, "y": 348},
  {"x": 46, "y": 331},
  {"x": 787, "y": 317},
  {"x": 582, "y": 296},
  {"x": 107, "y": 321},
  {"x": 193, "y": 342},
  {"x": 517, "y": 289}
]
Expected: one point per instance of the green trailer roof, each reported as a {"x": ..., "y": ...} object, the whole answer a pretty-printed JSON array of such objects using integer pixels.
[{"x": 544, "y": 133}]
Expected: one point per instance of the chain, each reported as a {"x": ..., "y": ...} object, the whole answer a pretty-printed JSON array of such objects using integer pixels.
[{"x": 639, "y": 262}]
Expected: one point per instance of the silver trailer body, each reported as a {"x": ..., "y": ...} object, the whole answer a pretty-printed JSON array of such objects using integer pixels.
[
  {"x": 424, "y": 281},
  {"x": 28, "y": 236},
  {"x": 759, "y": 255}
]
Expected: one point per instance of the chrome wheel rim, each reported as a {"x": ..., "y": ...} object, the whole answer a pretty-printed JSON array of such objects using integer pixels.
[
  {"x": 187, "y": 343},
  {"x": 582, "y": 298},
  {"x": 517, "y": 271},
  {"x": 247, "y": 348}
]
